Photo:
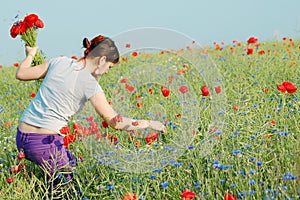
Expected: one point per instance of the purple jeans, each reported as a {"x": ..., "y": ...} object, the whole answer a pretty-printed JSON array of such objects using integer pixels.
[{"x": 45, "y": 150}]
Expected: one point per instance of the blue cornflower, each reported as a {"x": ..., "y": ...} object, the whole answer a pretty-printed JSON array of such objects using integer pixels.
[
  {"x": 233, "y": 185},
  {"x": 289, "y": 176},
  {"x": 242, "y": 194},
  {"x": 273, "y": 131},
  {"x": 110, "y": 186},
  {"x": 236, "y": 132},
  {"x": 197, "y": 183},
  {"x": 251, "y": 192},
  {"x": 215, "y": 162},
  {"x": 157, "y": 170},
  {"x": 221, "y": 181},
  {"x": 177, "y": 164},
  {"x": 152, "y": 177},
  {"x": 236, "y": 152},
  {"x": 164, "y": 184},
  {"x": 251, "y": 159},
  {"x": 259, "y": 163},
  {"x": 251, "y": 182}
]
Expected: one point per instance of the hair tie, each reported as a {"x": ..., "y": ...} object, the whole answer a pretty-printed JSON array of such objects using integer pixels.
[
  {"x": 86, "y": 43},
  {"x": 97, "y": 39}
]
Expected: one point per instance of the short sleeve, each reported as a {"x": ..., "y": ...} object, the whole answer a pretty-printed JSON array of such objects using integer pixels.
[{"x": 92, "y": 88}]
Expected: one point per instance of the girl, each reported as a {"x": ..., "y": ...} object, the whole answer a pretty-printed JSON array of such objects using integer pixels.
[{"x": 67, "y": 85}]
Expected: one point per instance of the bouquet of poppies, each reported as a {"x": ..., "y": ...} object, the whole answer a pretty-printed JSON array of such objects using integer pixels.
[{"x": 28, "y": 30}]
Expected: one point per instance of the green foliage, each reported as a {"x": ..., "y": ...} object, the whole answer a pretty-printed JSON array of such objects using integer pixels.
[{"x": 256, "y": 155}]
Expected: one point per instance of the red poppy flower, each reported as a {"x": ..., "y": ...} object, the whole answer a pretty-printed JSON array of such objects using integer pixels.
[
  {"x": 129, "y": 87},
  {"x": 261, "y": 52},
  {"x": 32, "y": 95},
  {"x": 30, "y": 20},
  {"x": 181, "y": 71},
  {"x": 124, "y": 80},
  {"x": 150, "y": 90},
  {"x": 16, "y": 168},
  {"x": 39, "y": 23},
  {"x": 74, "y": 57},
  {"x": 16, "y": 64},
  {"x": 290, "y": 87},
  {"x": 229, "y": 197},
  {"x": 21, "y": 155},
  {"x": 134, "y": 54},
  {"x": 89, "y": 118},
  {"x": 186, "y": 194},
  {"x": 139, "y": 104},
  {"x": 68, "y": 139},
  {"x": 205, "y": 91},
  {"x": 218, "y": 89},
  {"x": 112, "y": 138},
  {"x": 23, "y": 27},
  {"x": 235, "y": 107},
  {"x": 165, "y": 91},
  {"x": 130, "y": 196},
  {"x": 265, "y": 89},
  {"x": 249, "y": 51},
  {"x": 127, "y": 45},
  {"x": 79, "y": 129},
  {"x": 252, "y": 40},
  {"x": 178, "y": 115},
  {"x": 10, "y": 180},
  {"x": 93, "y": 129},
  {"x": 281, "y": 88},
  {"x": 65, "y": 130},
  {"x": 15, "y": 30},
  {"x": 183, "y": 89},
  {"x": 151, "y": 137},
  {"x": 104, "y": 124}
]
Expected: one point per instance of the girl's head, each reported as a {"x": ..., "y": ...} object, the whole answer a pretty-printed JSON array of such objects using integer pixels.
[
  {"x": 101, "y": 53},
  {"x": 101, "y": 46}
]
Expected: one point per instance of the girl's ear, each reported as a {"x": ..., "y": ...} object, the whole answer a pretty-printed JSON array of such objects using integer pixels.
[{"x": 102, "y": 60}]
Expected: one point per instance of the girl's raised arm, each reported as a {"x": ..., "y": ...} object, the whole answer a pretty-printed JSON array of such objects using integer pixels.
[{"x": 25, "y": 72}]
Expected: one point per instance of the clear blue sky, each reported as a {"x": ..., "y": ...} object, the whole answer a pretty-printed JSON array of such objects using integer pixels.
[{"x": 68, "y": 22}]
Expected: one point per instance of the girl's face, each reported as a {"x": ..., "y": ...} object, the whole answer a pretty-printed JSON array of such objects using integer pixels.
[{"x": 103, "y": 66}]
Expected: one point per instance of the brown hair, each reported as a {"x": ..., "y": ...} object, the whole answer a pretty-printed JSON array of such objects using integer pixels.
[{"x": 101, "y": 46}]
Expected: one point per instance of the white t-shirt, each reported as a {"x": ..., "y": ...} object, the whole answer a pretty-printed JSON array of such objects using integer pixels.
[{"x": 67, "y": 86}]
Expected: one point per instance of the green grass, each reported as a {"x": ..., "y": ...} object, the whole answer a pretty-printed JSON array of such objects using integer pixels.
[{"x": 251, "y": 158}]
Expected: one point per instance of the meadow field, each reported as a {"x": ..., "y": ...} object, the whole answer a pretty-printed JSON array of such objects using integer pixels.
[{"x": 253, "y": 153}]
